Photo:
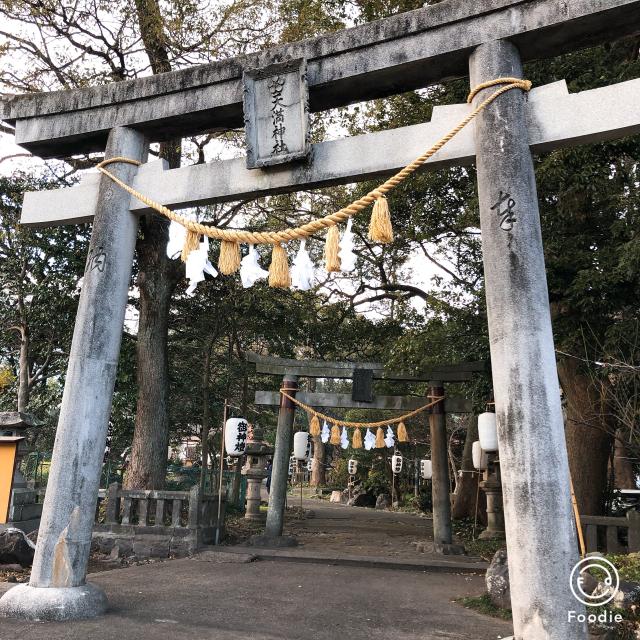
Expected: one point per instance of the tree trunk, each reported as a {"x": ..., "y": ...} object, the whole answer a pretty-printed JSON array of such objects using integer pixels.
[
  {"x": 23, "y": 373},
  {"x": 623, "y": 473},
  {"x": 588, "y": 435},
  {"x": 156, "y": 282},
  {"x": 157, "y": 278},
  {"x": 467, "y": 498},
  {"x": 318, "y": 470},
  {"x": 206, "y": 414}
]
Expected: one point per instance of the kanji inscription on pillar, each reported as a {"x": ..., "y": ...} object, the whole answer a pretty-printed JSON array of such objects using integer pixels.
[
  {"x": 505, "y": 208},
  {"x": 276, "y": 114}
]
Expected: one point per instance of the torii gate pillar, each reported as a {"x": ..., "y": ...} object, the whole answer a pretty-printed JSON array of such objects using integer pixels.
[
  {"x": 541, "y": 540},
  {"x": 57, "y": 588}
]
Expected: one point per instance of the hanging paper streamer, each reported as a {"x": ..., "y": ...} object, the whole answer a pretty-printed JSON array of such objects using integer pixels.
[
  {"x": 302, "y": 270},
  {"x": 369, "y": 440},
  {"x": 347, "y": 256},
  {"x": 250, "y": 269},
  {"x": 197, "y": 265},
  {"x": 326, "y": 433},
  {"x": 177, "y": 236},
  {"x": 344, "y": 438},
  {"x": 389, "y": 439}
]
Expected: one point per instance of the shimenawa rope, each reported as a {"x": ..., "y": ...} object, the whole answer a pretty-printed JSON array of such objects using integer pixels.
[
  {"x": 360, "y": 425},
  {"x": 305, "y": 230}
]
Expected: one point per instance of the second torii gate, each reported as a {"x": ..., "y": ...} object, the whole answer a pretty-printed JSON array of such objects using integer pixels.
[
  {"x": 487, "y": 40},
  {"x": 362, "y": 398}
]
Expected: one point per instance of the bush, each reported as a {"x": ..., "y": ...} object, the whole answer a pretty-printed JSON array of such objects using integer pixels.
[{"x": 377, "y": 483}]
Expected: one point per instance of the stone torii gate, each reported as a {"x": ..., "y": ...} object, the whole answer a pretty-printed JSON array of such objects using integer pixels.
[
  {"x": 363, "y": 374},
  {"x": 455, "y": 38}
]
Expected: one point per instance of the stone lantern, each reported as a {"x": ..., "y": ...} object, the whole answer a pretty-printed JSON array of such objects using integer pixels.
[
  {"x": 18, "y": 506},
  {"x": 255, "y": 471},
  {"x": 491, "y": 483}
]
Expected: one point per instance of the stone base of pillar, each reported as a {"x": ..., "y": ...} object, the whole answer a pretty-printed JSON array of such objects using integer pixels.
[
  {"x": 273, "y": 542},
  {"x": 448, "y": 549},
  {"x": 492, "y": 534},
  {"x": 53, "y": 603}
]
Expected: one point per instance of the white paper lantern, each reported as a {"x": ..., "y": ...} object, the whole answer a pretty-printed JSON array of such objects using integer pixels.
[
  {"x": 396, "y": 463},
  {"x": 352, "y": 467},
  {"x": 300, "y": 444},
  {"x": 235, "y": 436},
  {"x": 488, "y": 431},
  {"x": 480, "y": 459},
  {"x": 426, "y": 470}
]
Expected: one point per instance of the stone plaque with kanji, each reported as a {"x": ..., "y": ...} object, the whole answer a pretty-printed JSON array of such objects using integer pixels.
[{"x": 276, "y": 114}]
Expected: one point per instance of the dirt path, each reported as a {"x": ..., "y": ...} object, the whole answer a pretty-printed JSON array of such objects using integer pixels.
[{"x": 359, "y": 531}]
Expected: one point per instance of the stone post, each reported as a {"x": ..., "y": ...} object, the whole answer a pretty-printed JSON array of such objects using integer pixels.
[
  {"x": 57, "y": 589},
  {"x": 492, "y": 487},
  {"x": 255, "y": 472},
  {"x": 440, "y": 482},
  {"x": 279, "y": 471},
  {"x": 541, "y": 540}
]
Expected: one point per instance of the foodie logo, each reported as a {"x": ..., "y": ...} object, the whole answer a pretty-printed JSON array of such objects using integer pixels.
[{"x": 602, "y": 567}]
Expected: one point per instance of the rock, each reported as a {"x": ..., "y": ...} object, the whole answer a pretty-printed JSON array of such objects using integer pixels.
[
  {"x": 336, "y": 496},
  {"x": 15, "y": 547},
  {"x": 627, "y": 595},
  {"x": 383, "y": 501},
  {"x": 362, "y": 500},
  {"x": 33, "y": 536},
  {"x": 497, "y": 579}
]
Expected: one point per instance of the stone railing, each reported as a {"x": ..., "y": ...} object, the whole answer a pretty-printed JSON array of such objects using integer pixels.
[
  {"x": 612, "y": 535},
  {"x": 149, "y": 523}
]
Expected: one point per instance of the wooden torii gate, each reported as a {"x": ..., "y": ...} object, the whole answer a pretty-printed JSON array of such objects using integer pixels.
[
  {"x": 485, "y": 40},
  {"x": 362, "y": 398}
]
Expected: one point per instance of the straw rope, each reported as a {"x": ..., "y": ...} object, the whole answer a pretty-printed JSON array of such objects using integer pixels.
[
  {"x": 361, "y": 425},
  {"x": 331, "y": 220}
]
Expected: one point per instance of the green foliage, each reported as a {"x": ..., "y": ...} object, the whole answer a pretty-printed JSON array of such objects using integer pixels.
[{"x": 483, "y": 604}]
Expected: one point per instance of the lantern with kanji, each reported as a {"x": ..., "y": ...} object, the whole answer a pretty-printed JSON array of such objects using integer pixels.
[
  {"x": 352, "y": 467},
  {"x": 396, "y": 463},
  {"x": 235, "y": 436},
  {"x": 426, "y": 470}
]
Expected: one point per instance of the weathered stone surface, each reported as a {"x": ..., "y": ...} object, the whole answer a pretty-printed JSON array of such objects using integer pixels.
[
  {"x": 15, "y": 547},
  {"x": 497, "y": 579},
  {"x": 527, "y": 403},
  {"x": 383, "y": 501},
  {"x": 399, "y": 53},
  {"x": 336, "y": 496},
  {"x": 555, "y": 118},
  {"x": 53, "y": 603}
]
